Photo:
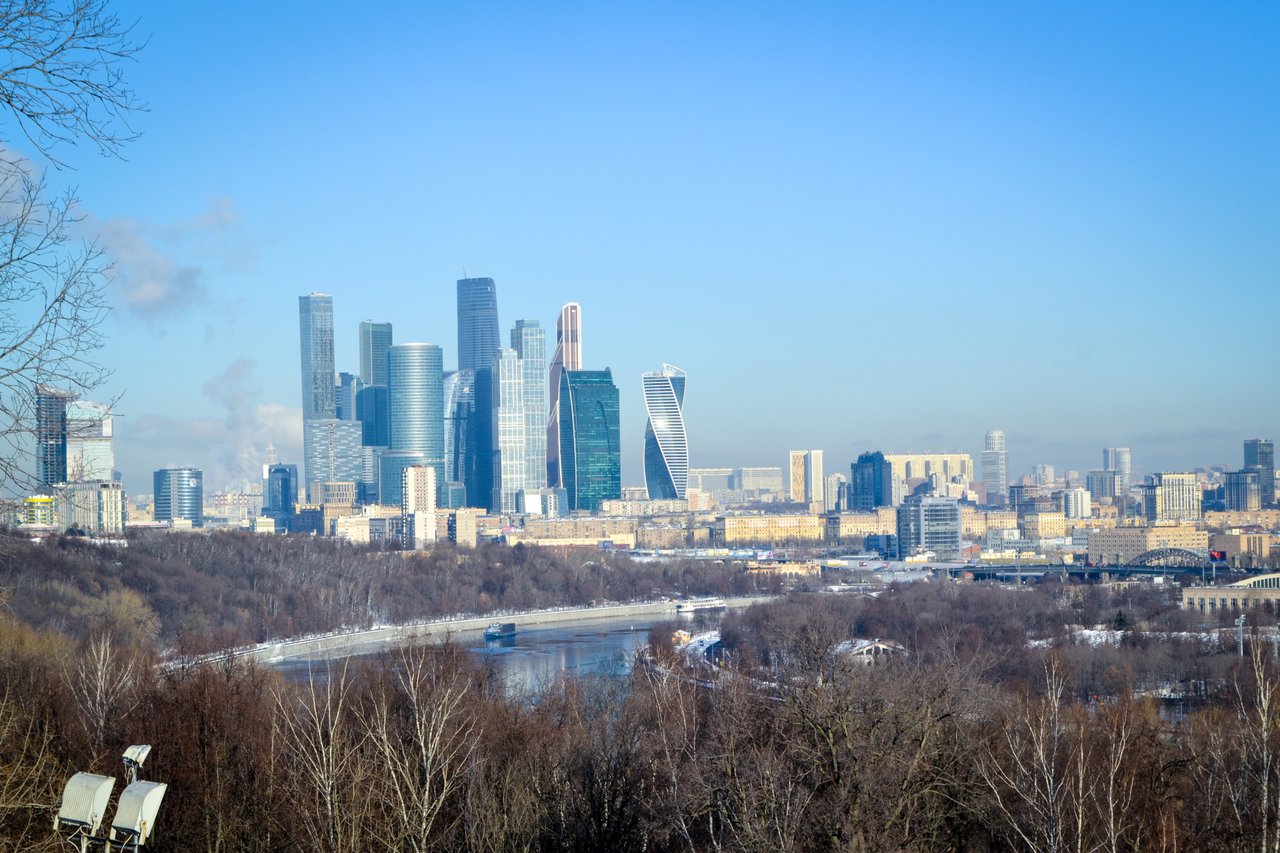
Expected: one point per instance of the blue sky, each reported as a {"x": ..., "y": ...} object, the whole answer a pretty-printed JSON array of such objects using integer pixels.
[{"x": 855, "y": 225}]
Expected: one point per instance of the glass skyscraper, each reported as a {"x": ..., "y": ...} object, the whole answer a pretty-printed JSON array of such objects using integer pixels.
[
  {"x": 415, "y": 397},
  {"x": 568, "y": 356},
  {"x": 459, "y": 408},
  {"x": 590, "y": 445},
  {"x": 478, "y": 337},
  {"x": 179, "y": 493},
  {"x": 375, "y": 340},
  {"x": 510, "y": 445},
  {"x": 1260, "y": 455},
  {"x": 319, "y": 397},
  {"x": 51, "y": 434},
  {"x": 995, "y": 469},
  {"x": 666, "y": 444},
  {"x": 530, "y": 344}
]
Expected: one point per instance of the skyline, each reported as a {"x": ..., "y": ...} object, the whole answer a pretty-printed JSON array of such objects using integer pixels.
[{"x": 842, "y": 204}]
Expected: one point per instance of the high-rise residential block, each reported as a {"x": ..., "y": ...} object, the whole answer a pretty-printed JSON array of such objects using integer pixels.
[
  {"x": 568, "y": 356},
  {"x": 995, "y": 468},
  {"x": 418, "y": 505},
  {"x": 666, "y": 443},
  {"x": 529, "y": 342},
  {"x": 478, "y": 336},
  {"x": 375, "y": 340},
  {"x": 391, "y": 466},
  {"x": 179, "y": 493},
  {"x": 805, "y": 471},
  {"x": 1172, "y": 497},
  {"x": 319, "y": 397},
  {"x": 1076, "y": 503},
  {"x": 94, "y": 506},
  {"x": 415, "y": 397},
  {"x": 590, "y": 445}
]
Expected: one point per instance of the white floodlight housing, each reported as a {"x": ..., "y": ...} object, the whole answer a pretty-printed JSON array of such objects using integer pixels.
[
  {"x": 136, "y": 812},
  {"x": 136, "y": 754},
  {"x": 84, "y": 801}
]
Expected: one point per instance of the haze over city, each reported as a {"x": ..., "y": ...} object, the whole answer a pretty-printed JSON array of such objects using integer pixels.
[{"x": 855, "y": 228}]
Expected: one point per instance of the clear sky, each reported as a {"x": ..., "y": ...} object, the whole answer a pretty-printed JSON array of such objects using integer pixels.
[{"x": 855, "y": 225}]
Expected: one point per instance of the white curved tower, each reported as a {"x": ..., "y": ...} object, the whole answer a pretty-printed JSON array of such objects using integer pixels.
[{"x": 666, "y": 445}]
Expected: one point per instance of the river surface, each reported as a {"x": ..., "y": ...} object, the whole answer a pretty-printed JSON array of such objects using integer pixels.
[{"x": 538, "y": 655}]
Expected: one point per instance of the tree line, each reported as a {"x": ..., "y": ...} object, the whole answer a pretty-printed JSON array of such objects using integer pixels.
[{"x": 972, "y": 740}]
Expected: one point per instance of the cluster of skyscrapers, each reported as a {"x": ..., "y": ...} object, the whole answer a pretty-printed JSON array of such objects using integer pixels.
[
  {"x": 75, "y": 465},
  {"x": 506, "y": 430}
]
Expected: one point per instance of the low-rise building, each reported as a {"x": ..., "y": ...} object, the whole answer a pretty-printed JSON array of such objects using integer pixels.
[
  {"x": 1120, "y": 545},
  {"x": 1251, "y": 592},
  {"x": 769, "y": 529}
]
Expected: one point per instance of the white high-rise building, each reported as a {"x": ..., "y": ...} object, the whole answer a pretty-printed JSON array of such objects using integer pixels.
[
  {"x": 666, "y": 443},
  {"x": 1076, "y": 503},
  {"x": 418, "y": 505},
  {"x": 530, "y": 344},
  {"x": 510, "y": 447}
]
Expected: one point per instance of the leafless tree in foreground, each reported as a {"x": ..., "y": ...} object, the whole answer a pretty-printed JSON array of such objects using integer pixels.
[{"x": 61, "y": 83}]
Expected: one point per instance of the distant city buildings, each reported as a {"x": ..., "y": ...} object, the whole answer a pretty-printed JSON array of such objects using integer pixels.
[
  {"x": 929, "y": 524},
  {"x": 872, "y": 483},
  {"x": 666, "y": 444}
]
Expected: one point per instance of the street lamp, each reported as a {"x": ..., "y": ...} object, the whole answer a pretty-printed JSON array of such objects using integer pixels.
[{"x": 84, "y": 804}]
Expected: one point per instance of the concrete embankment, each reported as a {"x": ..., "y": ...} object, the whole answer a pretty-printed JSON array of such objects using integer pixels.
[{"x": 351, "y": 643}]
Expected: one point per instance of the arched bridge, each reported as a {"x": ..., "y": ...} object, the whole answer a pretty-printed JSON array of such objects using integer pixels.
[{"x": 1173, "y": 558}]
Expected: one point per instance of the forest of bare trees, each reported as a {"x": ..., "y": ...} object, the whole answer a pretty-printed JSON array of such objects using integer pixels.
[{"x": 1000, "y": 728}]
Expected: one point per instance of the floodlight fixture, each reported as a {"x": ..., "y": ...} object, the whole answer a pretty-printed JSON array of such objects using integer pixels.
[
  {"x": 133, "y": 758},
  {"x": 136, "y": 813},
  {"x": 84, "y": 802}
]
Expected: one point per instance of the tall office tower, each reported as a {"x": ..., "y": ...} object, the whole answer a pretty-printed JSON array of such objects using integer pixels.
[
  {"x": 871, "y": 480},
  {"x": 418, "y": 505},
  {"x": 319, "y": 402},
  {"x": 90, "y": 455},
  {"x": 930, "y": 524},
  {"x": 1103, "y": 483},
  {"x": 1261, "y": 452},
  {"x": 415, "y": 394},
  {"x": 459, "y": 408},
  {"x": 280, "y": 494},
  {"x": 332, "y": 453},
  {"x": 590, "y": 445},
  {"x": 530, "y": 344},
  {"x": 666, "y": 443},
  {"x": 1241, "y": 492},
  {"x": 179, "y": 493},
  {"x": 375, "y": 340},
  {"x": 1042, "y": 475},
  {"x": 374, "y": 414},
  {"x": 995, "y": 468},
  {"x": 346, "y": 390},
  {"x": 51, "y": 434},
  {"x": 478, "y": 336},
  {"x": 1120, "y": 460},
  {"x": 510, "y": 441},
  {"x": 568, "y": 356}
]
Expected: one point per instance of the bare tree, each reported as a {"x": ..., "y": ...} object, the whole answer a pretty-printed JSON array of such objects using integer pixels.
[
  {"x": 103, "y": 684},
  {"x": 422, "y": 741},
  {"x": 61, "y": 83}
]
